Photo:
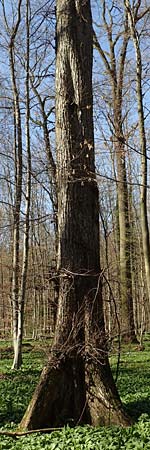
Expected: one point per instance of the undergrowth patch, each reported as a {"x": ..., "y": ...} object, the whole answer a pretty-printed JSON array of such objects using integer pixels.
[{"x": 133, "y": 383}]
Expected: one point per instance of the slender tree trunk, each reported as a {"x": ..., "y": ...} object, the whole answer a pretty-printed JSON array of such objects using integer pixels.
[
  {"x": 77, "y": 383},
  {"x": 144, "y": 217},
  {"x": 127, "y": 317},
  {"x": 50, "y": 158},
  {"x": 3, "y": 305},
  {"x": 18, "y": 193},
  {"x": 21, "y": 291},
  {"x": 116, "y": 75}
]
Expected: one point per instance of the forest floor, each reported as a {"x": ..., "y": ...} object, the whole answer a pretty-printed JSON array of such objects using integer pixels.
[{"x": 16, "y": 388}]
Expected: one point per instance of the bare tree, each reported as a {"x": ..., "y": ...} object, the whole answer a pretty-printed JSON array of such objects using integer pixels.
[
  {"x": 22, "y": 290},
  {"x": 19, "y": 286},
  {"x": 134, "y": 15},
  {"x": 18, "y": 181},
  {"x": 77, "y": 381},
  {"x": 115, "y": 70}
]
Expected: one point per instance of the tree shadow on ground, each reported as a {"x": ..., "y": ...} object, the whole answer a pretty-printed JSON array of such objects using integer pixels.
[{"x": 136, "y": 408}]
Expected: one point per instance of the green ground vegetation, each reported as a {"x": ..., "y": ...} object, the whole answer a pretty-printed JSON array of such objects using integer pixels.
[{"x": 133, "y": 382}]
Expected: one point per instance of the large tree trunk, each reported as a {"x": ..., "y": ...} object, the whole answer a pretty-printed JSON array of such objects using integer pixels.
[{"x": 77, "y": 384}]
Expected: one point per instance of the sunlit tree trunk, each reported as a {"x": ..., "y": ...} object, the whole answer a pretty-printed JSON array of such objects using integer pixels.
[
  {"x": 19, "y": 288},
  {"x": 125, "y": 230},
  {"x": 77, "y": 382},
  {"x": 49, "y": 154},
  {"x": 22, "y": 290},
  {"x": 132, "y": 14},
  {"x": 18, "y": 193},
  {"x": 115, "y": 70}
]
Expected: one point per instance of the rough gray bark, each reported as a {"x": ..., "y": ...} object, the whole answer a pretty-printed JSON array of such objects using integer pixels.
[{"x": 77, "y": 383}]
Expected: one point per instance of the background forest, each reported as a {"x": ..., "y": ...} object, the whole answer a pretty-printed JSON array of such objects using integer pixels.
[
  {"x": 28, "y": 211},
  {"x": 74, "y": 219}
]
